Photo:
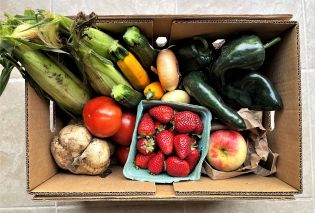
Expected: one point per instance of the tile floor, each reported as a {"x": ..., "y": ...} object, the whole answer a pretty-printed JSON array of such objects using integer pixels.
[{"x": 13, "y": 197}]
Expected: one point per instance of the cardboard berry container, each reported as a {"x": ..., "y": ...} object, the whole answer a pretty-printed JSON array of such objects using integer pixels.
[
  {"x": 133, "y": 173},
  {"x": 45, "y": 181}
]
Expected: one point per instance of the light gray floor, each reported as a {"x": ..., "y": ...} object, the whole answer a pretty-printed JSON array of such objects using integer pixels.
[{"x": 13, "y": 197}]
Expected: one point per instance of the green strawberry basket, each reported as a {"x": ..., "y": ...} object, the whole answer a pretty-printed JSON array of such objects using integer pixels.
[{"x": 130, "y": 171}]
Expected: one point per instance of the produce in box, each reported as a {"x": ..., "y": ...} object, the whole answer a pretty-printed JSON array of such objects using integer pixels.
[
  {"x": 223, "y": 80},
  {"x": 176, "y": 149},
  {"x": 76, "y": 150},
  {"x": 227, "y": 150}
]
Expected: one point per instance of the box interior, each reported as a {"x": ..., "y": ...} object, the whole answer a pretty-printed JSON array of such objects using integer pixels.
[{"x": 282, "y": 66}]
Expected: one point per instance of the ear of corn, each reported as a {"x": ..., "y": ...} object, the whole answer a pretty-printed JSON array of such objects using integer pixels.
[
  {"x": 91, "y": 52},
  {"x": 93, "y": 38},
  {"x": 68, "y": 91},
  {"x": 100, "y": 72}
]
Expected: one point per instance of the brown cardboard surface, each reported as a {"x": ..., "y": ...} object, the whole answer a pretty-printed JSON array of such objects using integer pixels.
[
  {"x": 286, "y": 139},
  {"x": 197, "y": 17},
  {"x": 40, "y": 165},
  {"x": 283, "y": 68},
  {"x": 165, "y": 192},
  {"x": 241, "y": 185},
  {"x": 149, "y": 198},
  {"x": 64, "y": 184},
  {"x": 120, "y": 25},
  {"x": 217, "y": 29}
]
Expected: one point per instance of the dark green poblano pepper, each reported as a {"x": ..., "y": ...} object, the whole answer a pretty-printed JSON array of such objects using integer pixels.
[
  {"x": 246, "y": 52},
  {"x": 194, "y": 54},
  {"x": 254, "y": 91}
]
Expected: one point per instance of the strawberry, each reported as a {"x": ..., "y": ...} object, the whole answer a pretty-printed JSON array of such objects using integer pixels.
[
  {"x": 156, "y": 164},
  {"x": 173, "y": 131},
  {"x": 176, "y": 167},
  {"x": 162, "y": 113},
  {"x": 182, "y": 145},
  {"x": 164, "y": 140},
  {"x": 145, "y": 146},
  {"x": 142, "y": 161},
  {"x": 185, "y": 122},
  {"x": 146, "y": 126},
  {"x": 199, "y": 125},
  {"x": 159, "y": 126},
  {"x": 192, "y": 158}
]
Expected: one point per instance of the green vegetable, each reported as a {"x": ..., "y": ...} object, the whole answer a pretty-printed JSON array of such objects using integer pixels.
[
  {"x": 101, "y": 72},
  {"x": 126, "y": 96},
  {"x": 254, "y": 91},
  {"x": 93, "y": 38},
  {"x": 89, "y": 46},
  {"x": 194, "y": 54},
  {"x": 49, "y": 78},
  {"x": 140, "y": 46},
  {"x": 196, "y": 86},
  {"x": 245, "y": 52}
]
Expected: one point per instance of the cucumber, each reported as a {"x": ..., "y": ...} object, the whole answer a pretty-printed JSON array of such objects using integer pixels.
[
  {"x": 126, "y": 96},
  {"x": 140, "y": 46},
  {"x": 196, "y": 86}
]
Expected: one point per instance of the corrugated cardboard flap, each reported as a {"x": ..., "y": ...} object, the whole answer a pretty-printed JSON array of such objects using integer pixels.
[
  {"x": 66, "y": 184},
  {"x": 246, "y": 185},
  {"x": 165, "y": 192}
]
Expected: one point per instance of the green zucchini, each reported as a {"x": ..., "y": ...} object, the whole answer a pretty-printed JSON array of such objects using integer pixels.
[
  {"x": 196, "y": 86},
  {"x": 126, "y": 96},
  {"x": 139, "y": 45}
]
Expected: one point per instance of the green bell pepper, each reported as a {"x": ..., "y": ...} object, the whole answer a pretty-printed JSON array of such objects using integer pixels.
[
  {"x": 194, "y": 54},
  {"x": 246, "y": 52},
  {"x": 254, "y": 91}
]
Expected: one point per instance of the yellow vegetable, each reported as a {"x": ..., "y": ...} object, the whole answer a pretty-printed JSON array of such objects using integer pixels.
[
  {"x": 167, "y": 69},
  {"x": 180, "y": 96},
  {"x": 154, "y": 91},
  {"x": 130, "y": 66}
]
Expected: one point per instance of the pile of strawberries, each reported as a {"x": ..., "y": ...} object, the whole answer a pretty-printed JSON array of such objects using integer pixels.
[{"x": 167, "y": 141}]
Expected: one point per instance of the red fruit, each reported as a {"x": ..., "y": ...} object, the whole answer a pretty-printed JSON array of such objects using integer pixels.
[
  {"x": 164, "y": 140},
  {"x": 185, "y": 122},
  {"x": 182, "y": 145},
  {"x": 162, "y": 113},
  {"x": 145, "y": 146},
  {"x": 124, "y": 135},
  {"x": 142, "y": 161},
  {"x": 173, "y": 131},
  {"x": 122, "y": 154},
  {"x": 176, "y": 167},
  {"x": 158, "y": 126},
  {"x": 199, "y": 125},
  {"x": 156, "y": 164},
  {"x": 146, "y": 126},
  {"x": 192, "y": 158}
]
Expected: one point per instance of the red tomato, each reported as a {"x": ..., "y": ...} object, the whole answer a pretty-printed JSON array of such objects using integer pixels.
[
  {"x": 122, "y": 154},
  {"x": 124, "y": 135},
  {"x": 102, "y": 116}
]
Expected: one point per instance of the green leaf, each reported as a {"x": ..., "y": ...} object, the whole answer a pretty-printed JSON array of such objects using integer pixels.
[
  {"x": 42, "y": 47},
  {"x": 42, "y": 22},
  {"x": 4, "y": 77}
]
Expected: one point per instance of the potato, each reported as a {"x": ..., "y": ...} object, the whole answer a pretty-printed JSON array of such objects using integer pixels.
[{"x": 75, "y": 149}]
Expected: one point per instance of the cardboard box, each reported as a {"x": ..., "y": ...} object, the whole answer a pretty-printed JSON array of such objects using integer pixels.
[{"x": 46, "y": 182}]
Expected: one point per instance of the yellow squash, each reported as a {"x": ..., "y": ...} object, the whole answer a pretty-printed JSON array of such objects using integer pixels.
[
  {"x": 154, "y": 91},
  {"x": 130, "y": 67}
]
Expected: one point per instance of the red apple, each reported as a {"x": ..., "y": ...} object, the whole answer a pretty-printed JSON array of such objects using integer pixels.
[{"x": 227, "y": 151}]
